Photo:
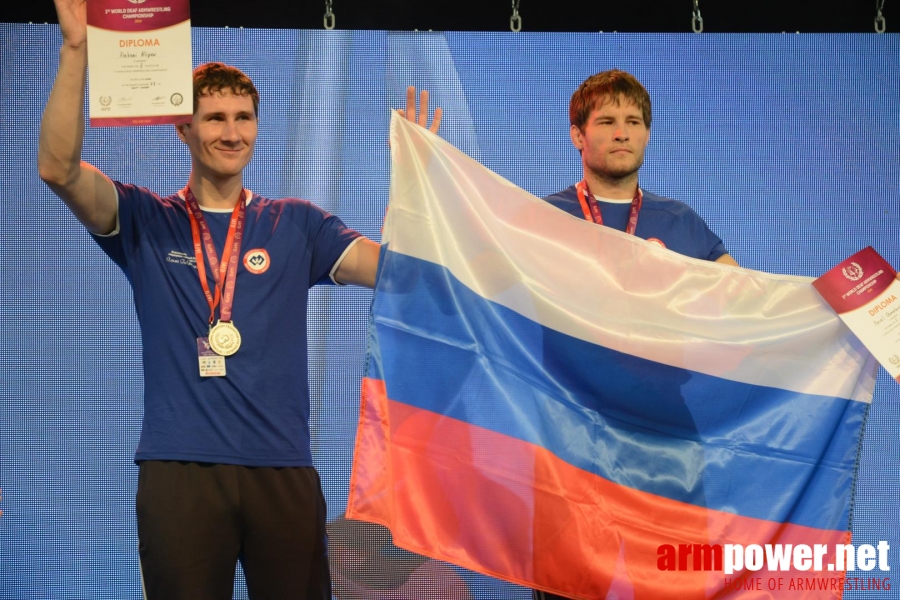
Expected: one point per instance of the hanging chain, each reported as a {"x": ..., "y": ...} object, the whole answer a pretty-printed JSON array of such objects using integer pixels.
[
  {"x": 328, "y": 20},
  {"x": 880, "y": 24},
  {"x": 515, "y": 21},
  {"x": 696, "y": 19}
]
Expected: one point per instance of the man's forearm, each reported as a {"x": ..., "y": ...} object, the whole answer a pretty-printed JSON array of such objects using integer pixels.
[
  {"x": 62, "y": 126},
  {"x": 87, "y": 192}
]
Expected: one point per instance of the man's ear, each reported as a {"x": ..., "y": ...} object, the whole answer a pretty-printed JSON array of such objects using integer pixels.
[
  {"x": 181, "y": 130},
  {"x": 577, "y": 137}
]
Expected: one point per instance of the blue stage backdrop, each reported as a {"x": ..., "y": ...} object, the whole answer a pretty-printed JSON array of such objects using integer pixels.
[{"x": 786, "y": 144}]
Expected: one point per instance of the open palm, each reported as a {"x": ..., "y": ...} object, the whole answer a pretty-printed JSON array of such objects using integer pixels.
[{"x": 72, "y": 20}]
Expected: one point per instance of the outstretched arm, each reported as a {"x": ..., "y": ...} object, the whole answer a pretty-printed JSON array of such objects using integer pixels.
[
  {"x": 361, "y": 263},
  {"x": 87, "y": 192},
  {"x": 726, "y": 259}
]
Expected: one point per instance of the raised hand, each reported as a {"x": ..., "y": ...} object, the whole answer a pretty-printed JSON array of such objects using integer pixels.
[
  {"x": 410, "y": 111},
  {"x": 72, "y": 21},
  {"x": 88, "y": 193}
]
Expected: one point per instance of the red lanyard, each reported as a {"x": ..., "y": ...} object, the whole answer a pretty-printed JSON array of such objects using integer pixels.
[
  {"x": 224, "y": 273},
  {"x": 591, "y": 207}
]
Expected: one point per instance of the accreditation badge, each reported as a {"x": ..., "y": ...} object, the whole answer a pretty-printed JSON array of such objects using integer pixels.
[{"x": 211, "y": 364}]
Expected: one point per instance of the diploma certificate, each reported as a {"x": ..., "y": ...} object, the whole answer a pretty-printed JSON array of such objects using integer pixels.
[
  {"x": 139, "y": 62},
  {"x": 865, "y": 293}
]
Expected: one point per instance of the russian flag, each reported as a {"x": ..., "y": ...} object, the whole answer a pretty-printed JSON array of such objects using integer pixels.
[{"x": 562, "y": 406}]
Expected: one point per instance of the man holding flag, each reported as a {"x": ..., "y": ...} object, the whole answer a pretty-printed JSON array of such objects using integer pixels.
[
  {"x": 580, "y": 393},
  {"x": 610, "y": 115}
]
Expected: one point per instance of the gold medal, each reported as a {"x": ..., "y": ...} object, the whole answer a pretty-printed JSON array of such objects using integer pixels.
[{"x": 224, "y": 338}]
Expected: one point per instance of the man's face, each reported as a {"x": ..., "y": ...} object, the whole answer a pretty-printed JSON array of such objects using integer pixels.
[
  {"x": 613, "y": 140},
  {"x": 221, "y": 135}
]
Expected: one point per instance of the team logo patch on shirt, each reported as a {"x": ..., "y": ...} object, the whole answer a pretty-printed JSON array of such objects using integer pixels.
[
  {"x": 656, "y": 241},
  {"x": 256, "y": 261}
]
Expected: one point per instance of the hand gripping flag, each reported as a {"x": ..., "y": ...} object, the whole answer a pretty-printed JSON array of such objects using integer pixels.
[{"x": 573, "y": 409}]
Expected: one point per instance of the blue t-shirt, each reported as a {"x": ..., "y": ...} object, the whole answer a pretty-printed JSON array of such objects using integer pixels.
[
  {"x": 668, "y": 221},
  {"x": 258, "y": 414}
]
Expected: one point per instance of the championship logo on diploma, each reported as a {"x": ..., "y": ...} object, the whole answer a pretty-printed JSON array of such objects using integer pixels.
[
  {"x": 139, "y": 62},
  {"x": 865, "y": 292}
]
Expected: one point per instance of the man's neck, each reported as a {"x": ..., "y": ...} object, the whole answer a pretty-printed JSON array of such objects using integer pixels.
[
  {"x": 216, "y": 193},
  {"x": 624, "y": 188}
]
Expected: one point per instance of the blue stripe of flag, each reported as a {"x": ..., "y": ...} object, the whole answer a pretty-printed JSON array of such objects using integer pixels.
[{"x": 752, "y": 450}]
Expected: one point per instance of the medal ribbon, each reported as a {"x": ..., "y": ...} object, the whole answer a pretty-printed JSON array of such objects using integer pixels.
[
  {"x": 591, "y": 207},
  {"x": 224, "y": 273}
]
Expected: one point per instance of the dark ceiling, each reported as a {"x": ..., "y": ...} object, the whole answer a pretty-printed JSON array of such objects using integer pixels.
[{"x": 719, "y": 16}]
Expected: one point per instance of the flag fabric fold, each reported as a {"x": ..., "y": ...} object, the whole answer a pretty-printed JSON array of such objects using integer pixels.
[{"x": 551, "y": 402}]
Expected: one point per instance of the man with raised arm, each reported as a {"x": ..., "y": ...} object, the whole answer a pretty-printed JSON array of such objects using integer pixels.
[{"x": 220, "y": 278}]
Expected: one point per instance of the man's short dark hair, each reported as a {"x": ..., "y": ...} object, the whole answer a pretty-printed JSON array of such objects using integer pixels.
[
  {"x": 215, "y": 77},
  {"x": 608, "y": 86}
]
